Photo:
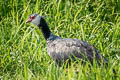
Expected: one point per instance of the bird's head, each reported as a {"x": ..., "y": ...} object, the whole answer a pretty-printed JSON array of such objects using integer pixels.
[{"x": 34, "y": 19}]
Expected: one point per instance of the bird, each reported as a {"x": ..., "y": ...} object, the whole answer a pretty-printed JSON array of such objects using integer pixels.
[{"x": 63, "y": 49}]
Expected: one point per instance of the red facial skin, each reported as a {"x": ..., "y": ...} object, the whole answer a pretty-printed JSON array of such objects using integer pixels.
[{"x": 30, "y": 19}]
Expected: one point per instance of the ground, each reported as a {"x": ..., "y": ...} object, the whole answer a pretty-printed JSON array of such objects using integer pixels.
[{"x": 23, "y": 53}]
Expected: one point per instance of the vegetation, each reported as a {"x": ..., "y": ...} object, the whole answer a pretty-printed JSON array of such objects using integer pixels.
[{"x": 23, "y": 53}]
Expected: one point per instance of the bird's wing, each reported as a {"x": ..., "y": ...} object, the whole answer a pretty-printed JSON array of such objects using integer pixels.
[{"x": 62, "y": 49}]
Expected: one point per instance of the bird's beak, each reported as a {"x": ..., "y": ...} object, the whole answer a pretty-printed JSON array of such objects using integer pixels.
[{"x": 29, "y": 20}]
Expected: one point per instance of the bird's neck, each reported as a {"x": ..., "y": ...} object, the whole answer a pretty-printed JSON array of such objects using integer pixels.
[{"x": 45, "y": 29}]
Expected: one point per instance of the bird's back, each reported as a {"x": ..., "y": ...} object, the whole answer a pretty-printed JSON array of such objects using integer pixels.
[{"x": 63, "y": 49}]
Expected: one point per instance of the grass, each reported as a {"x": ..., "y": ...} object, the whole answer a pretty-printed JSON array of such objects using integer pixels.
[{"x": 23, "y": 54}]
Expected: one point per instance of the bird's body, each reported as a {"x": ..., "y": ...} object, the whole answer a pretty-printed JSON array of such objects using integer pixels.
[{"x": 61, "y": 49}]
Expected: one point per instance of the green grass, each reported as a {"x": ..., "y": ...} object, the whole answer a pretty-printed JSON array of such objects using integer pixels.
[{"x": 23, "y": 54}]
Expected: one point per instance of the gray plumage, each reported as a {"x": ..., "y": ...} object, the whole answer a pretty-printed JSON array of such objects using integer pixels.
[{"x": 61, "y": 49}]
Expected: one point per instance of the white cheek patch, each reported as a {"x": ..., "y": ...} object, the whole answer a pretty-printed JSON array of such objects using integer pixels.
[{"x": 36, "y": 21}]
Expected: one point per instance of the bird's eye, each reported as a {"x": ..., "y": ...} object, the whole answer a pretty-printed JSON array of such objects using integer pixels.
[{"x": 32, "y": 17}]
